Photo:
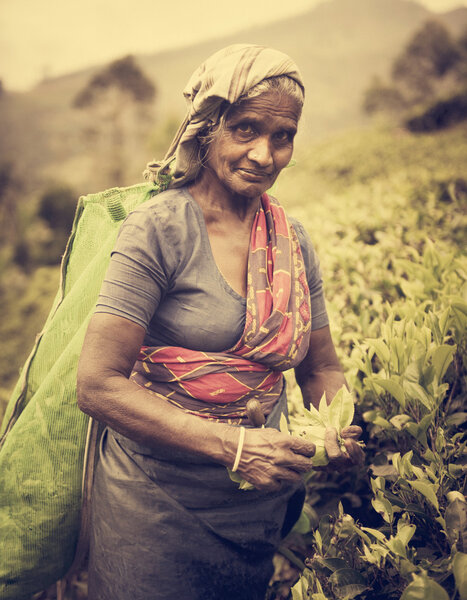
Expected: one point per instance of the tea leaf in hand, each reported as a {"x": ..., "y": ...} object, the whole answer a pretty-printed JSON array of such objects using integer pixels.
[{"x": 341, "y": 410}]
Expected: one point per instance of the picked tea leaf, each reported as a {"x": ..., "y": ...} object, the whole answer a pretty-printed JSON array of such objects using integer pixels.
[
  {"x": 341, "y": 410},
  {"x": 311, "y": 424}
]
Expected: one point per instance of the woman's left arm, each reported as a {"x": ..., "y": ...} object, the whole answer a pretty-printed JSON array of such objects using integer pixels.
[{"x": 321, "y": 372}]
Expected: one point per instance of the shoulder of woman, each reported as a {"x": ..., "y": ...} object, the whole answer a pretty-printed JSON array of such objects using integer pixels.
[
  {"x": 166, "y": 206},
  {"x": 169, "y": 217},
  {"x": 302, "y": 233}
]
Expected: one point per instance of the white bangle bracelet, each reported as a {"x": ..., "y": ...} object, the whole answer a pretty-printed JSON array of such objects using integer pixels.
[{"x": 241, "y": 439}]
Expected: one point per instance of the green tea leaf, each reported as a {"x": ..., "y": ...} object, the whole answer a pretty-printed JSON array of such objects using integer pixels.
[
  {"x": 456, "y": 419},
  {"x": 298, "y": 590},
  {"x": 454, "y": 495},
  {"x": 393, "y": 388},
  {"x": 383, "y": 423},
  {"x": 333, "y": 564},
  {"x": 283, "y": 425},
  {"x": 303, "y": 525},
  {"x": 341, "y": 410},
  {"x": 456, "y": 523},
  {"x": 406, "y": 468},
  {"x": 442, "y": 358},
  {"x": 312, "y": 417},
  {"x": 405, "y": 533},
  {"x": 379, "y": 535},
  {"x": 382, "y": 351},
  {"x": 347, "y": 583},
  {"x": 234, "y": 476},
  {"x": 456, "y": 470},
  {"x": 314, "y": 433},
  {"x": 427, "y": 490},
  {"x": 414, "y": 391},
  {"x": 459, "y": 568},
  {"x": 383, "y": 507},
  {"x": 426, "y": 422},
  {"x": 246, "y": 485},
  {"x": 237, "y": 478},
  {"x": 320, "y": 458},
  {"x": 417, "y": 433},
  {"x": 325, "y": 528},
  {"x": 399, "y": 421},
  {"x": 397, "y": 547},
  {"x": 424, "y": 588},
  {"x": 324, "y": 409},
  {"x": 318, "y": 541}
]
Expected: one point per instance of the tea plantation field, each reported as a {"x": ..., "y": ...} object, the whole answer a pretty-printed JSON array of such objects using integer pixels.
[{"x": 387, "y": 213}]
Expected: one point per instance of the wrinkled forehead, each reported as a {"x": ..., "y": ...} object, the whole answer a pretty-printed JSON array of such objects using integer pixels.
[{"x": 270, "y": 105}]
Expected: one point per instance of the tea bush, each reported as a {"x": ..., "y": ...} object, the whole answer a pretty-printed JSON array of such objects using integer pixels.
[{"x": 391, "y": 247}]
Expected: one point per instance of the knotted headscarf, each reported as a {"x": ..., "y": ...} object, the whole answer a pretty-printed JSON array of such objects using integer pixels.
[{"x": 225, "y": 76}]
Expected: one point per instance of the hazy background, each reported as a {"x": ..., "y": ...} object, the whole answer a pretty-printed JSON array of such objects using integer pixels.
[{"x": 54, "y": 37}]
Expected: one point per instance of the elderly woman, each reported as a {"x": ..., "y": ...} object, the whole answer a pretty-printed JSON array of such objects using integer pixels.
[{"x": 212, "y": 292}]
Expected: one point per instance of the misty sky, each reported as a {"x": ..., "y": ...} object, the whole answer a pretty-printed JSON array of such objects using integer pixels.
[{"x": 52, "y": 37}]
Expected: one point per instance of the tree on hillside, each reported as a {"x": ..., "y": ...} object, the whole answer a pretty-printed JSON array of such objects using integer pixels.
[
  {"x": 10, "y": 188},
  {"x": 124, "y": 75},
  {"x": 428, "y": 57},
  {"x": 430, "y": 70},
  {"x": 461, "y": 67},
  {"x": 117, "y": 100},
  {"x": 380, "y": 96}
]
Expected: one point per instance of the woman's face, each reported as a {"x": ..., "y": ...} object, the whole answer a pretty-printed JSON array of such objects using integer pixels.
[{"x": 256, "y": 143}]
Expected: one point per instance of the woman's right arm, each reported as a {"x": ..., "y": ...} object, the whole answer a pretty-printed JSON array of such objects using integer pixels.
[{"x": 106, "y": 393}]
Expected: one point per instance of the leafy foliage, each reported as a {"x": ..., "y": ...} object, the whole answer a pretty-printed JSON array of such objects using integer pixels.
[{"x": 397, "y": 288}]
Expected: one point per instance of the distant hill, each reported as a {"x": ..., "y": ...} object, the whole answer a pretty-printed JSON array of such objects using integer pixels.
[{"x": 338, "y": 46}]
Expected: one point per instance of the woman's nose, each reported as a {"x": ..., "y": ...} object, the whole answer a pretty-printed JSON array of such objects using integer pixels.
[{"x": 260, "y": 152}]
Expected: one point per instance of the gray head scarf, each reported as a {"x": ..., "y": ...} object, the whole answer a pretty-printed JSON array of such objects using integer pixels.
[{"x": 225, "y": 76}]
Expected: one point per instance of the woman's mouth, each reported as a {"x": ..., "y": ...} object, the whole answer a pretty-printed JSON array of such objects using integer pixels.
[{"x": 253, "y": 174}]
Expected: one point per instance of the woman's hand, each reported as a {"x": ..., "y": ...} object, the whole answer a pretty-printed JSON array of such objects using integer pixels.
[
  {"x": 341, "y": 458},
  {"x": 270, "y": 457}
]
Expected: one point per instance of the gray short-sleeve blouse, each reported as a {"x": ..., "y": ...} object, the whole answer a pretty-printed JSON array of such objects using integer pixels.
[{"x": 162, "y": 275}]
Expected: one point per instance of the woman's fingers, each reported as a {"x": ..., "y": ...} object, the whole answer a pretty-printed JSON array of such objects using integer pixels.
[
  {"x": 352, "y": 431},
  {"x": 301, "y": 446},
  {"x": 355, "y": 452},
  {"x": 331, "y": 444},
  {"x": 297, "y": 463},
  {"x": 270, "y": 485},
  {"x": 291, "y": 475},
  {"x": 347, "y": 455},
  {"x": 269, "y": 457}
]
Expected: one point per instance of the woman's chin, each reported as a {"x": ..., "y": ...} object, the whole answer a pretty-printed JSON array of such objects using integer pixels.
[{"x": 248, "y": 189}]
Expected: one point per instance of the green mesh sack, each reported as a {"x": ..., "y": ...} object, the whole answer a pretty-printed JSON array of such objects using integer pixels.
[{"x": 43, "y": 435}]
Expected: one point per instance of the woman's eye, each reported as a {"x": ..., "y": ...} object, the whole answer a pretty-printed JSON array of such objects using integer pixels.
[
  {"x": 283, "y": 136},
  {"x": 245, "y": 128}
]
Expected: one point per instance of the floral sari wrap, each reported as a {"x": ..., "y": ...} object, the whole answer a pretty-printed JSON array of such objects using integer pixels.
[{"x": 275, "y": 338}]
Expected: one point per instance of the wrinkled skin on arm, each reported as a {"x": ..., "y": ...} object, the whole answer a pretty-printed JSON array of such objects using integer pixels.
[
  {"x": 110, "y": 349},
  {"x": 320, "y": 372}
]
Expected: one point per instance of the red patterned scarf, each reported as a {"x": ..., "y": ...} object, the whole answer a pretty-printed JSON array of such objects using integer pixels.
[{"x": 276, "y": 335}]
